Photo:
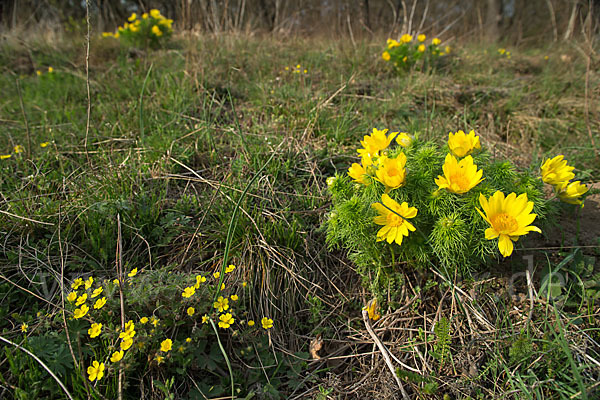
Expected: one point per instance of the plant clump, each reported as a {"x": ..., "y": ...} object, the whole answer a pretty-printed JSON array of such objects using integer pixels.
[
  {"x": 406, "y": 53},
  {"x": 415, "y": 202},
  {"x": 150, "y": 30}
]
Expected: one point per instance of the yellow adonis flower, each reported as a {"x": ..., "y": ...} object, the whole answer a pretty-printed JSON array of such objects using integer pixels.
[
  {"x": 72, "y": 296},
  {"x": 116, "y": 356},
  {"x": 95, "y": 330},
  {"x": 386, "y": 56},
  {"x": 143, "y": 320},
  {"x": 267, "y": 323},
  {"x": 221, "y": 304},
  {"x": 188, "y": 292},
  {"x": 556, "y": 171},
  {"x": 5, "y": 156},
  {"x": 97, "y": 292},
  {"x": 132, "y": 17},
  {"x": 24, "y": 327},
  {"x": 95, "y": 371},
  {"x": 205, "y": 319},
  {"x": 225, "y": 320},
  {"x": 166, "y": 345},
  {"x": 154, "y": 321},
  {"x": 459, "y": 177},
  {"x": 391, "y": 43},
  {"x": 44, "y": 144},
  {"x": 154, "y": 13},
  {"x": 421, "y": 48},
  {"x": 229, "y": 268},
  {"x": 191, "y": 311},
  {"x": 199, "y": 279},
  {"x": 374, "y": 143},
  {"x": 132, "y": 273},
  {"x": 359, "y": 174},
  {"x": 250, "y": 323},
  {"x": 81, "y": 299},
  {"x": 50, "y": 70},
  {"x": 81, "y": 312},
  {"x": 216, "y": 274},
  {"x": 392, "y": 171},
  {"x": 421, "y": 38},
  {"x": 372, "y": 310},
  {"x": 404, "y": 139},
  {"x": 234, "y": 297},
  {"x": 508, "y": 217},
  {"x": 394, "y": 218},
  {"x": 569, "y": 192},
  {"x": 461, "y": 144},
  {"x": 406, "y": 38},
  {"x": 156, "y": 30},
  {"x": 448, "y": 49},
  {"x": 436, "y": 41},
  {"x": 188, "y": 340}
]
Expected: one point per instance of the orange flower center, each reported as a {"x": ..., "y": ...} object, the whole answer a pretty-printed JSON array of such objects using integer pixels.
[
  {"x": 394, "y": 220},
  {"x": 460, "y": 180},
  {"x": 504, "y": 223}
]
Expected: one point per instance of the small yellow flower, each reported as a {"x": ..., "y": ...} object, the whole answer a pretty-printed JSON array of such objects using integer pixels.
[
  {"x": 81, "y": 300},
  {"x": 166, "y": 345},
  {"x": 225, "y": 320},
  {"x": 459, "y": 177},
  {"x": 188, "y": 292},
  {"x": 24, "y": 327},
  {"x": 358, "y": 173},
  {"x": 156, "y": 30},
  {"x": 132, "y": 17},
  {"x": 154, "y": 321},
  {"x": 44, "y": 144},
  {"x": 115, "y": 281},
  {"x": 374, "y": 143},
  {"x": 221, "y": 304},
  {"x": 154, "y": 13},
  {"x": 72, "y": 296},
  {"x": 132, "y": 273},
  {"x": 436, "y": 41},
  {"x": 222, "y": 286},
  {"x": 421, "y": 48},
  {"x": 145, "y": 15},
  {"x": 95, "y": 371},
  {"x": 461, "y": 144},
  {"x": 229, "y": 268},
  {"x": 199, "y": 279},
  {"x": 267, "y": 323},
  {"x": 95, "y": 330},
  {"x": 97, "y": 292},
  {"x": 234, "y": 297},
  {"x": 81, "y": 312},
  {"x": 100, "y": 303},
  {"x": 88, "y": 282},
  {"x": 250, "y": 323},
  {"x": 143, "y": 320},
  {"x": 117, "y": 35},
  {"x": 38, "y": 72},
  {"x": 244, "y": 284},
  {"x": 448, "y": 49},
  {"x": 404, "y": 139},
  {"x": 372, "y": 310},
  {"x": 508, "y": 217},
  {"x": 126, "y": 343},
  {"x": 116, "y": 356},
  {"x": 19, "y": 149},
  {"x": 159, "y": 359},
  {"x": 570, "y": 192},
  {"x": 386, "y": 56},
  {"x": 394, "y": 218},
  {"x": 391, "y": 43},
  {"x": 406, "y": 38},
  {"x": 216, "y": 275},
  {"x": 190, "y": 311},
  {"x": 205, "y": 319},
  {"x": 392, "y": 171},
  {"x": 188, "y": 340},
  {"x": 421, "y": 38},
  {"x": 556, "y": 171},
  {"x": 50, "y": 70},
  {"x": 5, "y": 156}
]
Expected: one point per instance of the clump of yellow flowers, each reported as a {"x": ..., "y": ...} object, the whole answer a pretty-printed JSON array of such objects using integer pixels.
[
  {"x": 406, "y": 52},
  {"x": 451, "y": 205},
  {"x": 148, "y": 30}
]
